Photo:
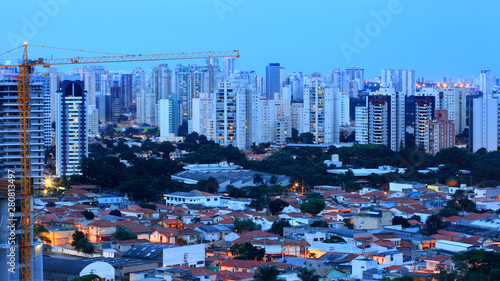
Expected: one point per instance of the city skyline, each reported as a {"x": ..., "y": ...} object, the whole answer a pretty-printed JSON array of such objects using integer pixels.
[{"x": 292, "y": 34}]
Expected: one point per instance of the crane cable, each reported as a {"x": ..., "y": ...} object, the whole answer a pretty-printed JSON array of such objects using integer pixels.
[
  {"x": 67, "y": 49},
  {"x": 11, "y": 50}
]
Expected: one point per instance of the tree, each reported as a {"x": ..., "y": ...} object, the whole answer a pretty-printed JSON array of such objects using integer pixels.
[
  {"x": 148, "y": 206},
  {"x": 257, "y": 179},
  {"x": 88, "y": 215},
  {"x": 348, "y": 223},
  {"x": 319, "y": 223},
  {"x": 50, "y": 204},
  {"x": 313, "y": 204},
  {"x": 115, "y": 212},
  {"x": 77, "y": 236},
  {"x": 478, "y": 265},
  {"x": 416, "y": 217},
  {"x": 181, "y": 242},
  {"x": 334, "y": 239},
  {"x": 211, "y": 185},
  {"x": 398, "y": 220},
  {"x": 124, "y": 234},
  {"x": 267, "y": 273},
  {"x": 276, "y": 206},
  {"x": 433, "y": 224},
  {"x": 306, "y": 138},
  {"x": 277, "y": 227},
  {"x": 88, "y": 277},
  {"x": 448, "y": 212},
  {"x": 244, "y": 225},
  {"x": 38, "y": 229},
  {"x": 247, "y": 251},
  {"x": 306, "y": 274}
]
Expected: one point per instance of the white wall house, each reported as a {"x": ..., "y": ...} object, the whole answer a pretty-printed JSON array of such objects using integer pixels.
[{"x": 193, "y": 197}]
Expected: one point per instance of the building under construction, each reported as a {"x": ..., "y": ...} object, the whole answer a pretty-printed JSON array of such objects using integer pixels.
[{"x": 10, "y": 169}]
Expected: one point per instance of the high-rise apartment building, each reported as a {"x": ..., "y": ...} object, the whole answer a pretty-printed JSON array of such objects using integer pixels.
[
  {"x": 424, "y": 112},
  {"x": 451, "y": 98},
  {"x": 485, "y": 131},
  {"x": 440, "y": 133},
  {"x": 486, "y": 82},
  {"x": 361, "y": 116},
  {"x": 10, "y": 148},
  {"x": 161, "y": 81},
  {"x": 203, "y": 115},
  {"x": 400, "y": 80},
  {"x": 71, "y": 127},
  {"x": 146, "y": 107},
  {"x": 40, "y": 78},
  {"x": 386, "y": 118},
  {"x": 167, "y": 116},
  {"x": 321, "y": 112}
]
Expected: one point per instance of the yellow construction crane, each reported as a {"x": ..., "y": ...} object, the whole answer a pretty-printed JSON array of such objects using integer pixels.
[{"x": 26, "y": 67}]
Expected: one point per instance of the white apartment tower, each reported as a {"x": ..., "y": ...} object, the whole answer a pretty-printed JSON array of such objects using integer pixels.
[
  {"x": 203, "y": 115},
  {"x": 321, "y": 112},
  {"x": 485, "y": 123},
  {"x": 486, "y": 82}
]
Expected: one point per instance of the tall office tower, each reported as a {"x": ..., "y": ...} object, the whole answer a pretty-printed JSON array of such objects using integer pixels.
[
  {"x": 229, "y": 67},
  {"x": 451, "y": 98},
  {"x": 273, "y": 80},
  {"x": 321, "y": 111},
  {"x": 71, "y": 127},
  {"x": 274, "y": 123},
  {"x": 400, "y": 80},
  {"x": 283, "y": 79},
  {"x": 424, "y": 111},
  {"x": 361, "y": 115},
  {"x": 47, "y": 106},
  {"x": 116, "y": 107},
  {"x": 161, "y": 81},
  {"x": 203, "y": 115},
  {"x": 10, "y": 129},
  {"x": 486, "y": 82},
  {"x": 296, "y": 113},
  {"x": 146, "y": 104},
  {"x": 440, "y": 132},
  {"x": 485, "y": 131},
  {"x": 386, "y": 119},
  {"x": 126, "y": 91},
  {"x": 105, "y": 108},
  {"x": 138, "y": 82},
  {"x": 167, "y": 116},
  {"x": 338, "y": 78},
  {"x": 296, "y": 81},
  {"x": 88, "y": 75}
]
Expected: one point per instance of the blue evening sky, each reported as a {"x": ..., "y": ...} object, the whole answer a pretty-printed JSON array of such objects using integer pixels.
[{"x": 435, "y": 37}]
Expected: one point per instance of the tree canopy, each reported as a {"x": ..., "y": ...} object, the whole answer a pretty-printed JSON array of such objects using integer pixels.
[{"x": 313, "y": 204}]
